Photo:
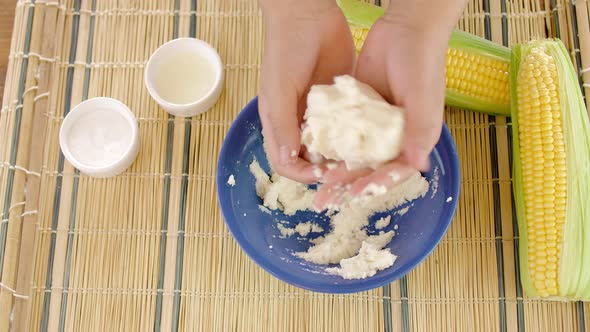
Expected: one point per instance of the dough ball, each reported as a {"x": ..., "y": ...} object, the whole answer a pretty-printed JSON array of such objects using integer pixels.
[{"x": 349, "y": 121}]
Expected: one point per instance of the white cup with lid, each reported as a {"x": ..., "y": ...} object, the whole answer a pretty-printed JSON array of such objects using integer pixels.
[
  {"x": 100, "y": 137},
  {"x": 185, "y": 76}
]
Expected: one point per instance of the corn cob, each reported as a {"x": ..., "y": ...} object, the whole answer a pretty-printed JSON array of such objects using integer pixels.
[
  {"x": 551, "y": 171},
  {"x": 477, "y": 70}
]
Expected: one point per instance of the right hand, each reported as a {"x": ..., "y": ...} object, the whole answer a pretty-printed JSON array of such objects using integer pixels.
[{"x": 303, "y": 47}]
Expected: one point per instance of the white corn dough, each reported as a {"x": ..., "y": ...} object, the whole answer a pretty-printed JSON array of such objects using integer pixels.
[
  {"x": 344, "y": 243},
  {"x": 347, "y": 233},
  {"x": 380, "y": 240},
  {"x": 281, "y": 193},
  {"x": 302, "y": 228},
  {"x": 264, "y": 209},
  {"x": 231, "y": 180},
  {"x": 383, "y": 222},
  {"x": 285, "y": 231},
  {"x": 366, "y": 263},
  {"x": 403, "y": 211},
  {"x": 349, "y": 121}
]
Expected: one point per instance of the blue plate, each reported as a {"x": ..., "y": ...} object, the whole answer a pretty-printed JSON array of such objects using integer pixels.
[{"x": 418, "y": 231}]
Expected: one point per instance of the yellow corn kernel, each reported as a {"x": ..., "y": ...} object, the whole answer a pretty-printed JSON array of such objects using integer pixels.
[
  {"x": 359, "y": 34},
  {"x": 468, "y": 74},
  {"x": 491, "y": 83}
]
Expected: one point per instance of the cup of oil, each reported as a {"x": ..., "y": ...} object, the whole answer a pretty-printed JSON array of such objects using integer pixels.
[{"x": 185, "y": 76}]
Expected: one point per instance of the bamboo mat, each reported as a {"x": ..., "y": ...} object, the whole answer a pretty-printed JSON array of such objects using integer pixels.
[
  {"x": 148, "y": 250},
  {"x": 6, "y": 23}
]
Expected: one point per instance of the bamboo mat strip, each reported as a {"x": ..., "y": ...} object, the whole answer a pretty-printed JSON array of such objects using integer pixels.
[
  {"x": 184, "y": 185},
  {"x": 497, "y": 208},
  {"x": 505, "y": 203},
  {"x": 65, "y": 190},
  {"x": 165, "y": 213},
  {"x": 76, "y": 181},
  {"x": 13, "y": 182},
  {"x": 13, "y": 147},
  {"x": 21, "y": 311},
  {"x": 514, "y": 313},
  {"x": 172, "y": 264}
]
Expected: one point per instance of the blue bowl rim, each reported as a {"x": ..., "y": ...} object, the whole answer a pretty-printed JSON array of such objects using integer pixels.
[{"x": 363, "y": 284}]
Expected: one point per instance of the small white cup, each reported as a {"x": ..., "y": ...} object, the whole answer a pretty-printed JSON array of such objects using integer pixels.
[
  {"x": 208, "y": 53},
  {"x": 106, "y": 109}
]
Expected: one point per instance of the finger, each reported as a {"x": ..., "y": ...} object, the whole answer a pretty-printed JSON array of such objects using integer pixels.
[
  {"x": 370, "y": 65},
  {"x": 422, "y": 132},
  {"x": 298, "y": 169},
  {"x": 314, "y": 158},
  {"x": 342, "y": 174},
  {"x": 389, "y": 176},
  {"x": 424, "y": 114},
  {"x": 280, "y": 126},
  {"x": 329, "y": 195}
]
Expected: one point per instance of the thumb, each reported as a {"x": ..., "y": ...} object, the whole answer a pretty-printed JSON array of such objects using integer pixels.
[
  {"x": 280, "y": 123},
  {"x": 424, "y": 119},
  {"x": 281, "y": 126}
]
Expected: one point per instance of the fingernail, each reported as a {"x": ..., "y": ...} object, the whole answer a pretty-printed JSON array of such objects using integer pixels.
[{"x": 288, "y": 156}]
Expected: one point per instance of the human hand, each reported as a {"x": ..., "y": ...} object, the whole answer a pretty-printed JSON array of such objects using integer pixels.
[
  {"x": 403, "y": 58},
  {"x": 303, "y": 46}
]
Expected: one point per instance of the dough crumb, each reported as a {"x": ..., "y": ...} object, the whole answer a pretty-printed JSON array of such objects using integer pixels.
[
  {"x": 394, "y": 176},
  {"x": 302, "y": 228},
  {"x": 434, "y": 182},
  {"x": 231, "y": 180},
  {"x": 281, "y": 193},
  {"x": 366, "y": 263},
  {"x": 264, "y": 209},
  {"x": 308, "y": 227},
  {"x": 349, "y": 121},
  {"x": 374, "y": 190},
  {"x": 317, "y": 172},
  {"x": 403, "y": 211},
  {"x": 380, "y": 240},
  {"x": 449, "y": 199},
  {"x": 262, "y": 179},
  {"x": 285, "y": 231},
  {"x": 383, "y": 222}
]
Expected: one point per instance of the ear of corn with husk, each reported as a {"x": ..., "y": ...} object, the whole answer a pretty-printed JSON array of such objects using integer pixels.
[
  {"x": 477, "y": 70},
  {"x": 551, "y": 175},
  {"x": 537, "y": 85}
]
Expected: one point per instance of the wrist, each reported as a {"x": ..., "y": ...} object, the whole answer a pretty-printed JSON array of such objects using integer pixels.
[
  {"x": 278, "y": 9},
  {"x": 427, "y": 17}
]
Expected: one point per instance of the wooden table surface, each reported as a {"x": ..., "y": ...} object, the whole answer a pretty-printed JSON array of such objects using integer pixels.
[{"x": 6, "y": 21}]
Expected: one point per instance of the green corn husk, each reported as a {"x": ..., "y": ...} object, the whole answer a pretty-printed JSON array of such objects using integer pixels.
[{"x": 493, "y": 93}]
